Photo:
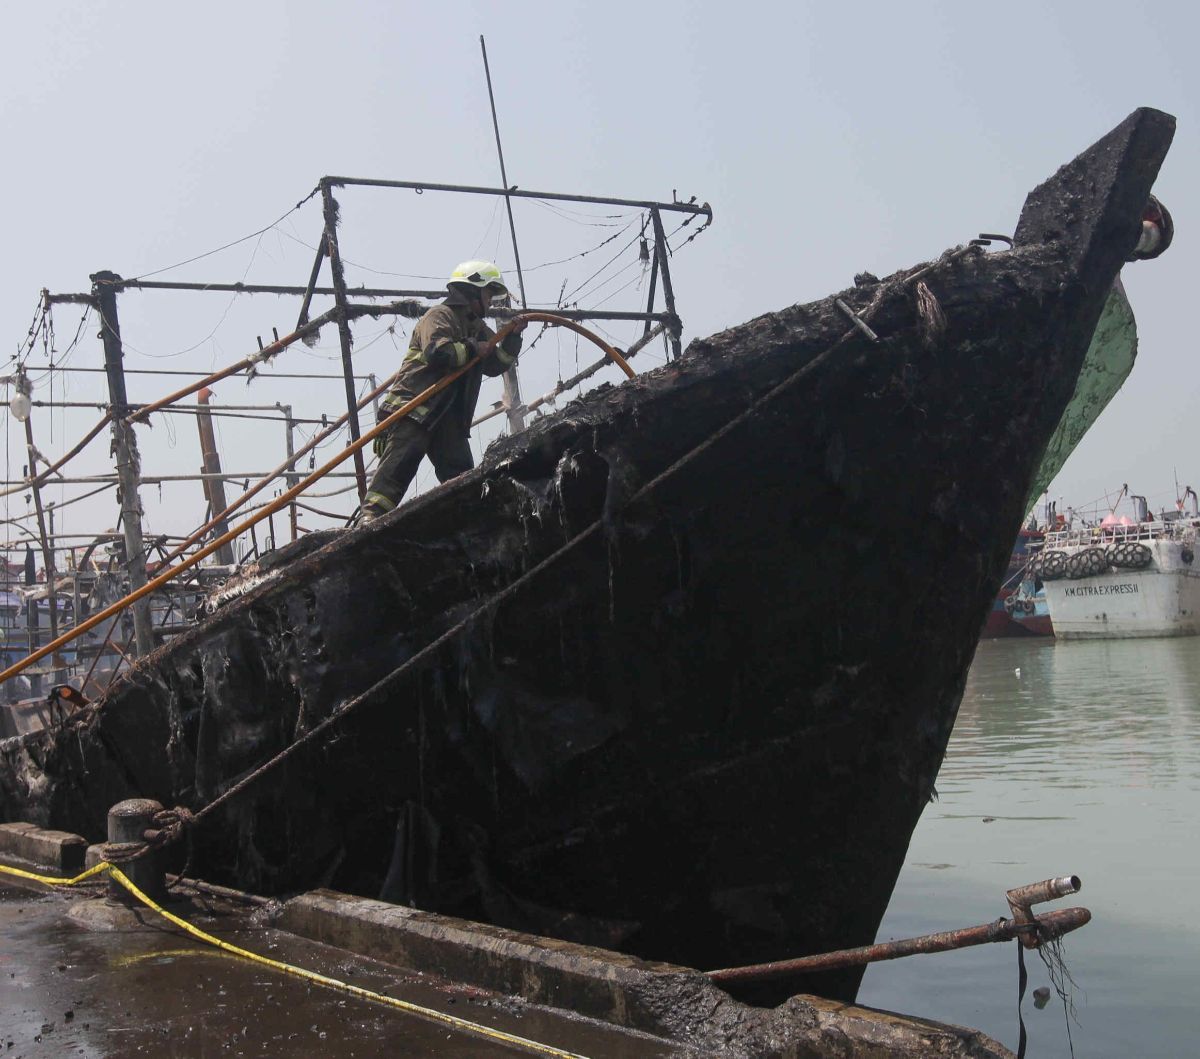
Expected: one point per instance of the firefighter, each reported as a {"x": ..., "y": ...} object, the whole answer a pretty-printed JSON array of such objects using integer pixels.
[{"x": 444, "y": 339}]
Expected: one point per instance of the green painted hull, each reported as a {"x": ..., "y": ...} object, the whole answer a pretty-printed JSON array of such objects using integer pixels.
[{"x": 1107, "y": 365}]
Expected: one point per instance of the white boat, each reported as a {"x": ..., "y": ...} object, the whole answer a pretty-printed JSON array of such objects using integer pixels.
[{"x": 1124, "y": 580}]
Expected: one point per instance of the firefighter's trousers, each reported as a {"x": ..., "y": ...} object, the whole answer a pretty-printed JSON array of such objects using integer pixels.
[{"x": 403, "y": 448}]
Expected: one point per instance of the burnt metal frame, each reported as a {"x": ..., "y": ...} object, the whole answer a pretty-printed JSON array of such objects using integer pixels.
[{"x": 106, "y": 285}]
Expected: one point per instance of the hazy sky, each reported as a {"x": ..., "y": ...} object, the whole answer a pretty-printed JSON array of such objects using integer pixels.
[{"x": 829, "y": 138}]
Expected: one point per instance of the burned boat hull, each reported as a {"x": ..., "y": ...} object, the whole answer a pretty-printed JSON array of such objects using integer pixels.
[{"x": 706, "y": 730}]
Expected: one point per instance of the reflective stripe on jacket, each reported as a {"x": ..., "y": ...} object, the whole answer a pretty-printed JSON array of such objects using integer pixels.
[{"x": 441, "y": 343}]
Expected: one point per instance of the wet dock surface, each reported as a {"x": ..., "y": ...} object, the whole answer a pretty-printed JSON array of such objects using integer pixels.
[{"x": 148, "y": 989}]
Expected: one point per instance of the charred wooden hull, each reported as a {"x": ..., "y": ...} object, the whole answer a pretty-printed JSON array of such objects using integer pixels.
[{"x": 704, "y": 733}]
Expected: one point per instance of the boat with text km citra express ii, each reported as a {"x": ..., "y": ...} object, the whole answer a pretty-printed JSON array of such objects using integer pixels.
[
  {"x": 705, "y": 729},
  {"x": 1124, "y": 578}
]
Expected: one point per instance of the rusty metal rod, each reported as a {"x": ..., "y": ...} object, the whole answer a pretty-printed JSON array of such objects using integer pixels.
[
  {"x": 302, "y": 319},
  {"x": 521, "y": 193},
  {"x": 1049, "y": 925},
  {"x": 345, "y": 336},
  {"x": 662, "y": 250}
]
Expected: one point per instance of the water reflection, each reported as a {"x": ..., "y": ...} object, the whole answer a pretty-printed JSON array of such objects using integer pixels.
[
  {"x": 1075, "y": 757},
  {"x": 1059, "y": 713}
]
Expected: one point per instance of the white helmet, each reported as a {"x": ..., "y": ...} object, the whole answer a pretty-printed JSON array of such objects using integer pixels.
[{"x": 481, "y": 274}]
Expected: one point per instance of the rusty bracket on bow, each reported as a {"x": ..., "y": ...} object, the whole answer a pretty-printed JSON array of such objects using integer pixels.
[{"x": 1022, "y": 899}]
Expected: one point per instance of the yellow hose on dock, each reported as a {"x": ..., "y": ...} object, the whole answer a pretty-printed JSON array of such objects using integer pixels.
[{"x": 104, "y": 867}]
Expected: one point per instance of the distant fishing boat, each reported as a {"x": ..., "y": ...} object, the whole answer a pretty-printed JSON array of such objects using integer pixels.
[{"x": 1020, "y": 607}]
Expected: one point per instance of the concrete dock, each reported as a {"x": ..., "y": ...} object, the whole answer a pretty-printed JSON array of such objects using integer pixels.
[{"x": 82, "y": 973}]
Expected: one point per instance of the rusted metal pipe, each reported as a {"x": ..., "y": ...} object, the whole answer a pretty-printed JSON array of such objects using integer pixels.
[
  {"x": 1021, "y": 898},
  {"x": 345, "y": 336},
  {"x": 1044, "y": 927},
  {"x": 521, "y": 193},
  {"x": 312, "y": 284},
  {"x": 212, "y": 482},
  {"x": 661, "y": 251}
]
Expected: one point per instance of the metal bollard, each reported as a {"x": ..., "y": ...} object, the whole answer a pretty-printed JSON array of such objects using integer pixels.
[{"x": 128, "y": 822}]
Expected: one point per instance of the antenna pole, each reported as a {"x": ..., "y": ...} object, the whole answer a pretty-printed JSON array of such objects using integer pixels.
[{"x": 512, "y": 388}]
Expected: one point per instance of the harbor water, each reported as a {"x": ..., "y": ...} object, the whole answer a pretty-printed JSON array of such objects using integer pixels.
[{"x": 1067, "y": 758}]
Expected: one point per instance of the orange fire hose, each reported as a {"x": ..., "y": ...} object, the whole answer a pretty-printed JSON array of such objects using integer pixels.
[
  {"x": 290, "y": 494},
  {"x": 266, "y": 480},
  {"x": 579, "y": 329}
]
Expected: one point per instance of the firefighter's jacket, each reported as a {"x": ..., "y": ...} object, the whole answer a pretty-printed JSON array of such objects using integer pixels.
[{"x": 440, "y": 345}]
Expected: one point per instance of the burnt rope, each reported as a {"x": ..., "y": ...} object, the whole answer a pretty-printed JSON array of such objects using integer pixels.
[
  {"x": 1022, "y": 983},
  {"x": 169, "y": 826},
  {"x": 505, "y": 593}
]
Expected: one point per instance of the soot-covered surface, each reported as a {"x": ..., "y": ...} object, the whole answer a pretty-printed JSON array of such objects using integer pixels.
[{"x": 702, "y": 735}]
